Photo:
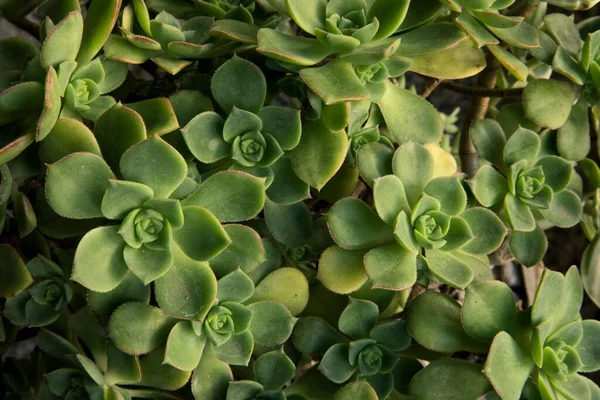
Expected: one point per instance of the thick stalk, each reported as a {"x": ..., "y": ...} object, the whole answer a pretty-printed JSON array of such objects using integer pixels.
[
  {"x": 479, "y": 105},
  {"x": 480, "y": 91}
]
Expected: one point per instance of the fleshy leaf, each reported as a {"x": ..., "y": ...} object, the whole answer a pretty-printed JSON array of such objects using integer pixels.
[
  {"x": 68, "y": 136},
  {"x": 320, "y": 153},
  {"x": 246, "y": 251},
  {"x": 287, "y": 286},
  {"x": 230, "y": 196},
  {"x": 138, "y": 328},
  {"x": 239, "y": 83},
  {"x": 358, "y": 318},
  {"x": 137, "y": 164},
  {"x": 507, "y": 366},
  {"x": 184, "y": 347},
  {"x": 52, "y": 105},
  {"x": 413, "y": 164},
  {"x": 99, "y": 22},
  {"x": 63, "y": 41},
  {"x": 76, "y": 184},
  {"x": 548, "y": 102},
  {"x": 202, "y": 237},
  {"x": 346, "y": 215},
  {"x": 220, "y": 373},
  {"x": 342, "y": 271},
  {"x": 15, "y": 275},
  {"x": 391, "y": 267},
  {"x": 271, "y": 324},
  {"x": 274, "y": 369}
]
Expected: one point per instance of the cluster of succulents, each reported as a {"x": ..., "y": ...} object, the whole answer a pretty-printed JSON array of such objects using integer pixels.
[{"x": 246, "y": 199}]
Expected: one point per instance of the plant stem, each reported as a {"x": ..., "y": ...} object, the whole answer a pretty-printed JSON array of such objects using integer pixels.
[
  {"x": 482, "y": 91},
  {"x": 468, "y": 155},
  {"x": 431, "y": 86}
]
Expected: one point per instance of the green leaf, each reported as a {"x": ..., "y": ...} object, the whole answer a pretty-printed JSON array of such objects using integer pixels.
[
  {"x": 488, "y": 231},
  {"x": 99, "y": 22},
  {"x": 52, "y": 105},
  {"x": 296, "y": 50},
  {"x": 121, "y": 367},
  {"x": 154, "y": 151},
  {"x": 590, "y": 273},
  {"x": 342, "y": 271},
  {"x": 449, "y": 192},
  {"x": 76, "y": 184},
  {"x": 158, "y": 115},
  {"x": 335, "y": 82},
  {"x": 313, "y": 336},
  {"x": 565, "y": 210},
  {"x": 289, "y": 224},
  {"x": 573, "y": 139},
  {"x": 488, "y": 186},
  {"x": 159, "y": 375},
  {"x": 563, "y": 31},
  {"x": 518, "y": 213},
  {"x": 202, "y": 237},
  {"x": 523, "y": 144},
  {"x": 548, "y": 102},
  {"x": 287, "y": 286},
  {"x": 413, "y": 164},
  {"x": 274, "y": 369},
  {"x": 433, "y": 320},
  {"x": 188, "y": 289},
  {"x": 391, "y": 267},
  {"x": 237, "y": 350},
  {"x": 286, "y": 187},
  {"x": 308, "y": 14},
  {"x": 239, "y": 122},
  {"x": 19, "y": 99},
  {"x": 557, "y": 172},
  {"x": 431, "y": 39},
  {"x": 358, "y": 318},
  {"x": 129, "y": 289},
  {"x": 448, "y": 269},
  {"x": 390, "y": 15},
  {"x": 146, "y": 263},
  {"x": 589, "y": 349},
  {"x": 389, "y": 198},
  {"x": 374, "y": 160},
  {"x": 458, "y": 62},
  {"x": 99, "y": 263},
  {"x": 15, "y": 275},
  {"x": 271, "y": 324},
  {"x": 25, "y": 214},
  {"x": 184, "y": 347},
  {"x": 346, "y": 215},
  {"x": 68, "y": 136},
  {"x": 239, "y": 83},
  {"x": 121, "y": 197},
  {"x": 392, "y": 334},
  {"x": 63, "y": 41},
  {"x": 243, "y": 389},
  {"x": 235, "y": 286},
  {"x": 359, "y": 390},
  {"x": 488, "y": 137},
  {"x": 489, "y": 308},
  {"x": 335, "y": 365},
  {"x": 418, "y": 121},
  {"x": 320, "y": 153},
  {"x": 137, "y": 328},
  {"x": 507, "y": 366},
  {"x": 119, "y": 49},
  {"x": 448, "y": 380},
  {"x": 246, "y": 251},
  {"x": 522, "y": 35},
  {"x": 480, "y": 36},
  {"x": 283, "y": 124},
  {"x": 516, "y": 67},
  {"x": 204, "y": 137},
  {"x": 230, "y": 196},
  {"x": 235, "y": 30},
  {"x": 220, "y": 373}
]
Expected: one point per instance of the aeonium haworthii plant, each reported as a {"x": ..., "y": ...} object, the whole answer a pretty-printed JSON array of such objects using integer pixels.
[
  {"x": 534, "y": 353},
  {"x": 151, "y": 224},
  {"x": 364, "y": 350},
  {"x": 253, "y": 136},
  {"x": 528, "y": 185},
  {"x": 420, "y": 218},
  {"x": 220, "y": 324}
]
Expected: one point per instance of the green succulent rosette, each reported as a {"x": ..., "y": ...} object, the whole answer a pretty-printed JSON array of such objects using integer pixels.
[
  {"x": 152, "y": 224},
  {"x": 420, "y": 228},
  {"x": 368, "y": 351},
  {"x": 529, "y": 184},
  {"x": 45, "y": 300},
  {"x": 253, "y": 135}
]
